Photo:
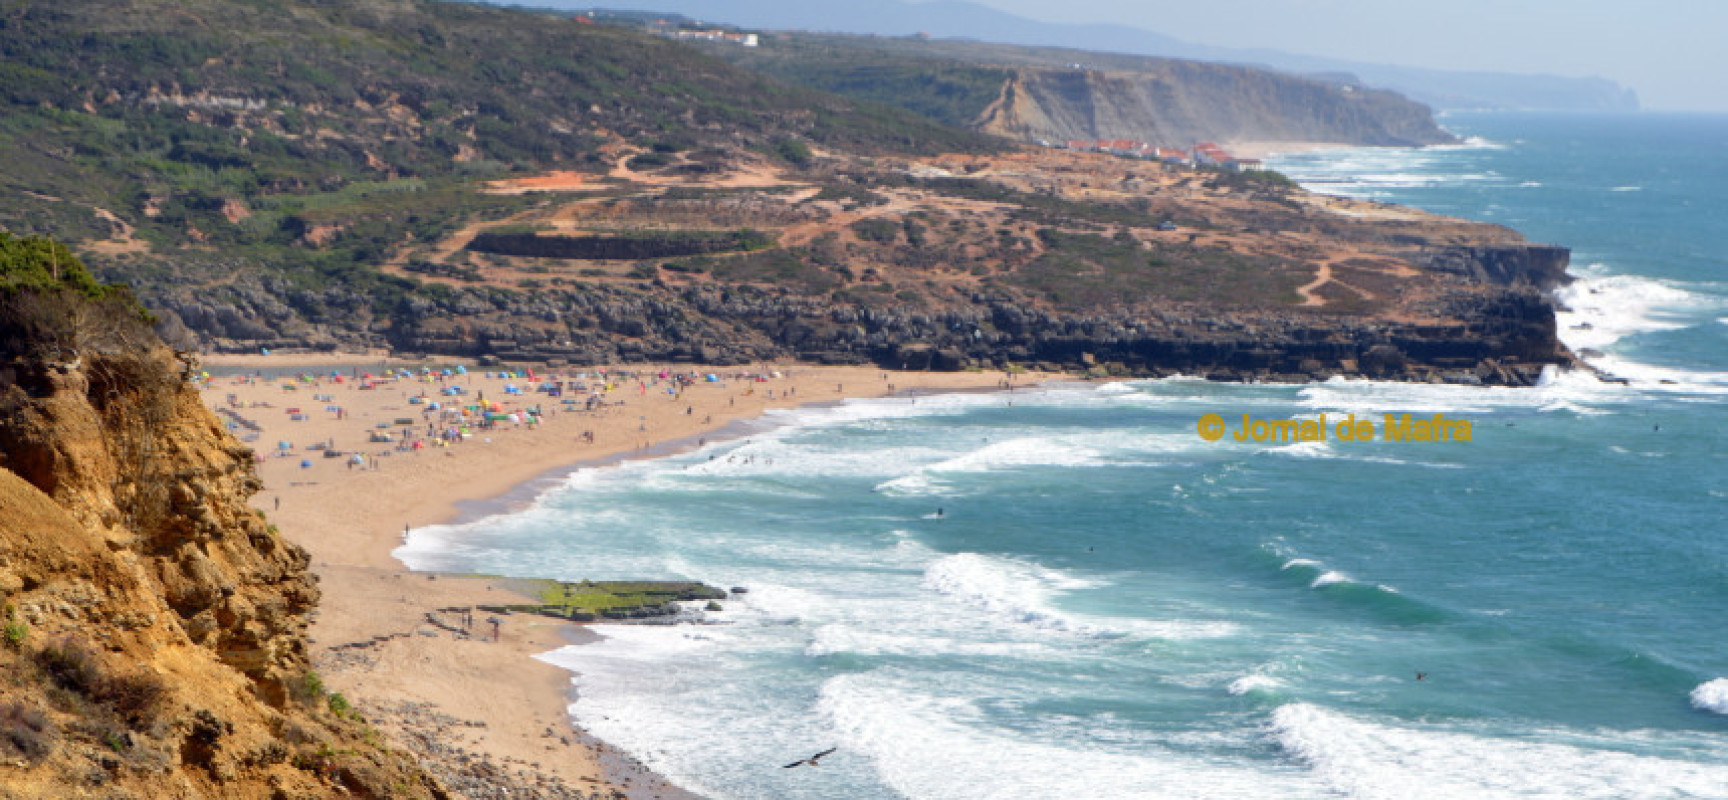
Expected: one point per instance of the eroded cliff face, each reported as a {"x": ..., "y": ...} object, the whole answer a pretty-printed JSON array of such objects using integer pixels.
[
  {"x": 154, "y": 641},
  {"x": 1180, "y": 103}
]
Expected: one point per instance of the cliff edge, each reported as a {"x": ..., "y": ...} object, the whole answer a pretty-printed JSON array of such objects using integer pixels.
[
  {"x": 1181, "y": 102},
  {"x": 153, "y": 635}
]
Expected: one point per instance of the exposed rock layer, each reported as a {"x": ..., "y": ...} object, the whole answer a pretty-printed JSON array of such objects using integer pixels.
[
  {"x": 155, "y": 622},
  {"x": 1178, "y": 103}
]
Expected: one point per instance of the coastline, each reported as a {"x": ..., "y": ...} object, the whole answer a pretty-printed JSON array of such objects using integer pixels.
[
  {"x": 374, "y": 636},
  {"x": 1269, "y": 149}
]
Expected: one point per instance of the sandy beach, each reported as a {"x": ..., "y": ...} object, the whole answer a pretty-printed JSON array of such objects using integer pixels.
[{"x": 482, "y": 713}]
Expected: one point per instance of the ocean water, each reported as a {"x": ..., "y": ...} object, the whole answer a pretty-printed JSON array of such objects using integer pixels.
[{"x": 1067, "y": 593}]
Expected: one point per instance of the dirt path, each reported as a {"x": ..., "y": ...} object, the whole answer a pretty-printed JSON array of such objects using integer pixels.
[{"x": 1322, "y": 277}]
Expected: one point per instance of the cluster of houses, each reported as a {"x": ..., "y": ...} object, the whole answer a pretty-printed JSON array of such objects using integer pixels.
[
  {"x": 1204, "y": 154},
  {"x": 740, "y": 39}
]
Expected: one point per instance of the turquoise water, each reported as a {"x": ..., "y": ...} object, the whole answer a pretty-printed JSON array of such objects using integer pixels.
[{"x": 1108, "y": 606}]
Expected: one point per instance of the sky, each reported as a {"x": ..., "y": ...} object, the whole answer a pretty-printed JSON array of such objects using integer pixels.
[{"x": 1673, "y": 52}]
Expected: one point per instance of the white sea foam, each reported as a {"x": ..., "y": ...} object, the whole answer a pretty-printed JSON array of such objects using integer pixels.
[
  {"x": 1029, "y": 451},
  {"x": 1564, "y": 392},
  {"x": 1328, "y": 578},
  {"x": 838, "y": 638},
  {"x": 1011, "y": 591},
  {"x": 1711, "y": 696},
  {"x": 1008, "y": 589},
  {"x": 928, "y": 746},
  {"x": 918, "y": 484},
  {"x": 1304, "y": 449},
  {"x": 1603, "y": 309},
  {"x": 936, "y": 477},
  {"x": 1179, "y": 630},
  {"x": 1470, "y": 143},
  {"x": 1254, "y": 683},
  {"x": 1365, "y": 759}
]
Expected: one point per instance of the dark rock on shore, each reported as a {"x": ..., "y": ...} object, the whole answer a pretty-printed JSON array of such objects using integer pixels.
[{"x": 1497, "y": 325}]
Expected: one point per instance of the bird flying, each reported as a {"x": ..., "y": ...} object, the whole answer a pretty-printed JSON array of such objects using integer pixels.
[{"x": 811, "y": 760}]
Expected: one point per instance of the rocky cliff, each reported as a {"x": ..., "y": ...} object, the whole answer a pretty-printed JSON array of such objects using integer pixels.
[
  {"x": 154, "y": 624},
  {"x": 1050, "y": 93},
  {"x": 1178, "y": 103},
  {"x": 1061, "y": 259}
]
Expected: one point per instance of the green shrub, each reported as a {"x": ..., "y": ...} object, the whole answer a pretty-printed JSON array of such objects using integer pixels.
[
  {"x": 795, "y": 152},
  {"x": 881, "y": 231}
]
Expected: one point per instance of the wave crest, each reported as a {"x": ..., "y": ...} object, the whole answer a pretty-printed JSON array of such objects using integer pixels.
[{"x": 1711, "y": 696}]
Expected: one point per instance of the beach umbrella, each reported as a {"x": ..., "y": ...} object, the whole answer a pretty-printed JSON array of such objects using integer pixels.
[{"x": 284, "y": 445}]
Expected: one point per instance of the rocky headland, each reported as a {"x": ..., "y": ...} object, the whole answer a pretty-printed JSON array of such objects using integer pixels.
[{"x": 1054, "y": 259}]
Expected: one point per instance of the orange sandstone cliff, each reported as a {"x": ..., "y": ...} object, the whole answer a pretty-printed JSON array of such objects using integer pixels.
[{"x": 153, "y": 640}]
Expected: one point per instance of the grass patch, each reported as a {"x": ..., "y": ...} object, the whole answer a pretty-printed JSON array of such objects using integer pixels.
[
  {"x": 591, "y": 600},
  {"x": 1087, "y": 271}
]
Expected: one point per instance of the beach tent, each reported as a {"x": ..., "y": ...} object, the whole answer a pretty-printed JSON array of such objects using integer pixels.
[
  {"x": 284, "y": 445},
  {"x": 305, "y": 463}
]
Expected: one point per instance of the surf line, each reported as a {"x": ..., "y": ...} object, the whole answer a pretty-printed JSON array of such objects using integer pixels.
[{"x": 1393, "y": 428}]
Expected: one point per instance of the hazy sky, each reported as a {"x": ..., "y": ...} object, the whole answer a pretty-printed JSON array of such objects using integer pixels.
[{"x": 1673, "y": 52}]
